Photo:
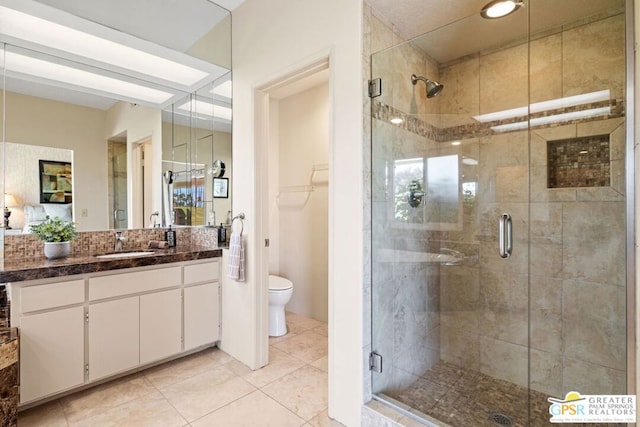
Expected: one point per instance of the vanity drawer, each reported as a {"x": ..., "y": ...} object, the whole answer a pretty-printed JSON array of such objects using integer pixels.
[
  {"x": 42, "y": 297},
  {"x": 202, "y": 272},
  {"x": 115, "y": 285}
]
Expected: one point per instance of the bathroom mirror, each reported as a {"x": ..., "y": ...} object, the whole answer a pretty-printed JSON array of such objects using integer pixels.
[{"x": 120, "y": 144}]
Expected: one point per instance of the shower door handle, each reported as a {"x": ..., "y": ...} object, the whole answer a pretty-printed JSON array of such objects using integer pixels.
[{"x": 505, "y": 235}]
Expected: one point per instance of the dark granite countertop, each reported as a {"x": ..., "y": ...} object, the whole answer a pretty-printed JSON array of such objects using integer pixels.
[{"x": 42, "y": 268}]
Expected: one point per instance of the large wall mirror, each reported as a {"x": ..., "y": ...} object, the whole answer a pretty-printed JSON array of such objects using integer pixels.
[{"x": 143, "y": 114}]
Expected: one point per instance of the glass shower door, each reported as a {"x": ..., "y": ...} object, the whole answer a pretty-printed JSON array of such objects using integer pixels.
[{"x": 498, "y": 211}]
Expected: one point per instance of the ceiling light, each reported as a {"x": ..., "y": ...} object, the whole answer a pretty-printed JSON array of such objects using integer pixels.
[
  {"x": 456, "y": 143},
  {"x": 500, "y": 8},
  {"x": 396, "y": 120},
  {"x": 73, "y": 37},
  {"x": 68, "y": 75},
  {"x": 206, "y": 109},
  {"x": 224, "y": 89}
]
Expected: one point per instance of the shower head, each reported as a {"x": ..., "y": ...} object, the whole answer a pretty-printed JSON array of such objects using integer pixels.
[{"x": 433, "y": 87}]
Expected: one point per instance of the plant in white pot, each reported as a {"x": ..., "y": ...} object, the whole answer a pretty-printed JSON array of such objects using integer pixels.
[{"x": 57, "y": 236}]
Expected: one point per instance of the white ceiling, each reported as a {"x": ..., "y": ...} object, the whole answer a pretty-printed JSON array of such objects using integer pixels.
[{"x": 169, "y": 23}]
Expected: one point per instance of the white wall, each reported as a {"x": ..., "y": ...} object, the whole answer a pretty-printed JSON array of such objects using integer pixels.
[
  {"x": 38, "y": 121},
  {"x": 304, "y": 216},
  {"x": 270, "y": 40}
]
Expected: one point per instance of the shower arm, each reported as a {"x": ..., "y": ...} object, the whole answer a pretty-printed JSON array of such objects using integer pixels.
[{"x": 414, "y": 79}]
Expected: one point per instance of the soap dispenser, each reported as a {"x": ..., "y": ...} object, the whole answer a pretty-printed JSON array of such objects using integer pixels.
[
  {"x": 170, "y": 237},
  {"x": 222, "y": 234}
]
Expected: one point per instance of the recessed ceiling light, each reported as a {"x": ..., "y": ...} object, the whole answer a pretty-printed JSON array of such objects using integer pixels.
[
  {"x": 206, "y": 109},
  {"x": 456, "y": 143},
  {"x": 40, "y": 27},
  {"x": 37, "y": 67},
  {"x": 500, "y": 8},
  {"x": 396, "y": 120}
]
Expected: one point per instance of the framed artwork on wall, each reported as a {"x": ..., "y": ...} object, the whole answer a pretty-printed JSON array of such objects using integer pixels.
[
  {"x": 56, "y": 184},
  {"x": 221, "y": 188}
]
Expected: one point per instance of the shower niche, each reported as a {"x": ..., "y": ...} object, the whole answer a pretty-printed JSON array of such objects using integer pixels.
[{"x": 579, "y": 162}]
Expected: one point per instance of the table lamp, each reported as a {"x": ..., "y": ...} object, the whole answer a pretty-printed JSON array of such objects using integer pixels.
[{"x": 9, "y": 200}]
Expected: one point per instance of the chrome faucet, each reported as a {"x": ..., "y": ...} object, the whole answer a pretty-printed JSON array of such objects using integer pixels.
[{"x": 119, "y": 242}]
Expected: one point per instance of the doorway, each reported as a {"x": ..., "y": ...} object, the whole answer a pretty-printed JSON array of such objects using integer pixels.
[{"x": 298, "y": 186}]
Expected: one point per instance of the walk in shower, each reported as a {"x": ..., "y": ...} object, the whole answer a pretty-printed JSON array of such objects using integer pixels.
[{"x": 500, "y": 272}]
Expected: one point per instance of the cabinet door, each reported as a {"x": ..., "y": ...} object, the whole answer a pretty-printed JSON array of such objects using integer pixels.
[
  {"x": 201, "y": 315},
  {"x": 51, "y": 352},
  {"x": 113, "y": 337},
  {"x": 160, "y": 325}
]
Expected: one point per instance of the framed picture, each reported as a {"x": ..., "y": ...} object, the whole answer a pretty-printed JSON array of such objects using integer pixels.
[
  {"x": 221, "y": 187},
  {"x": 56, "y": 185}
]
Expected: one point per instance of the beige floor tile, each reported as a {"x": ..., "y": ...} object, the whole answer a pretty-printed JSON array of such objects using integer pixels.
[
  {"x": 173, "y": 372},
  {"x": 200, "y": 395},
  {"x": 322, "y": 330},
  {"x": 218, "y": 355},
  {"x": 88, "y": 403},
  {"x": 255, "y": 409},
  {"x": 297, "y": 323},
  {"x": 303, "y": 391},
  {"x": 307, "y": 346},
  {"x": 149, "y": 411},
  {"x": 322, "y": 364},
  {"x": 48, "y": 415},
  {"x": 280, "y": 364},
  {"x": 276, "y": 340},
  {"x": 323, "y": 420}
]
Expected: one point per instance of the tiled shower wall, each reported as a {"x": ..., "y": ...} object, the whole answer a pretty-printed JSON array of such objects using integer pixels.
[{"x": 563, "y": 290}]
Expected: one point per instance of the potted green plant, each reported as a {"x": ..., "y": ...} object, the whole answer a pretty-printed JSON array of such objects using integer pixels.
[{"x": 57, "y": 236}]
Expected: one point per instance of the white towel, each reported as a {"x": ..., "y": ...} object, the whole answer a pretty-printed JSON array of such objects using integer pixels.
[{"x": 236, "y": 257}]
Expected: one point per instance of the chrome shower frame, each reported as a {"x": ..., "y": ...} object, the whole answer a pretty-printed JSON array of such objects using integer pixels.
[{"x": 630, "y": 165}]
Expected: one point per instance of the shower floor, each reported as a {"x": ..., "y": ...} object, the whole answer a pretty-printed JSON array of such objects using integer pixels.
[{"x": 460, "y": 397}]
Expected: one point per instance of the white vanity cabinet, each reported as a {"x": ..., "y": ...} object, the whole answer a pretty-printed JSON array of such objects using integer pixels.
[
  {"x": 103, "y": 324},
  {"x": 51, "y": 338},
  {"x": 201, "y": 305},
  {"x": 114, "y": 337}
]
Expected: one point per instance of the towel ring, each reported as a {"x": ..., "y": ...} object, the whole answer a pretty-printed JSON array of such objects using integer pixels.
[{"x": 240, "y": 216}]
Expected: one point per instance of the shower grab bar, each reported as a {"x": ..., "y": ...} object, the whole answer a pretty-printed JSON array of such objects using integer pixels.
[{"x": 505, "y": 235}]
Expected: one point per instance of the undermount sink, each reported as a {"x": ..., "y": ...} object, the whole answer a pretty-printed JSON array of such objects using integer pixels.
[{"x": 125, "y": 254}]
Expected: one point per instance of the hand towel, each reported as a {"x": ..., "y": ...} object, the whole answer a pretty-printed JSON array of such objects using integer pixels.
[{"x": 236, "y": 258}]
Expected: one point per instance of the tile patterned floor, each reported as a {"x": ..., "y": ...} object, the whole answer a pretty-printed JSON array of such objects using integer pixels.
[
  {"x": 463, "y": 397},
  {"x": 210, "y": 388}
]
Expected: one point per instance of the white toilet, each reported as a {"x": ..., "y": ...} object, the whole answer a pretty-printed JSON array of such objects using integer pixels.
[{"x": 280, "y": 291}]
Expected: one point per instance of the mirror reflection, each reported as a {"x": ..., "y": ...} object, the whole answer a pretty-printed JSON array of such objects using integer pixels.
[{"x": 122, "y": 127}]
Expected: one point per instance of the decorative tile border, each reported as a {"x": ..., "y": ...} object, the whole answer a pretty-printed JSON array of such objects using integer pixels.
[{"x": 411, "y": 123}]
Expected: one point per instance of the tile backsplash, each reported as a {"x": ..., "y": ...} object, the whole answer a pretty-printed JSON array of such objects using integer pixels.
[{"x": 96, "y": 242}]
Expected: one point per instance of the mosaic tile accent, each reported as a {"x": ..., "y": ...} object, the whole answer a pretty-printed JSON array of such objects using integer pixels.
[
  {"x": 464, "y": 397},
  {"x": 412, "y": 123},
  {"x": 579, "y": 162},
  {"x": 28, "y": 246}
]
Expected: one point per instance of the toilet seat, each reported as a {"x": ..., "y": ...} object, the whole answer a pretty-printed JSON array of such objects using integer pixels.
[{"x": 277, "y": 283}]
